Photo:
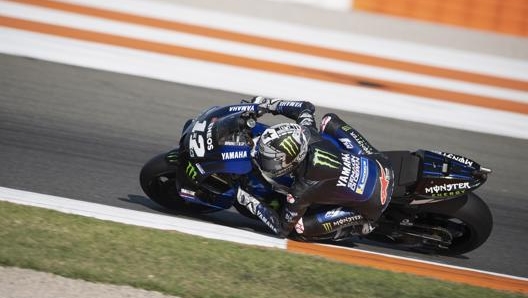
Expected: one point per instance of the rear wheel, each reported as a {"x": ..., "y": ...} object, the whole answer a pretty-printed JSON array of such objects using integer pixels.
[
  {"x": 450, "y": 227},
  {"x": 158, "y": 179},
  {"x": 468, "y": 220}
]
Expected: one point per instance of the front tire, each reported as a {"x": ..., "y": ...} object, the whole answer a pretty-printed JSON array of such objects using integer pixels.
[{"x": 159, "y": 181}]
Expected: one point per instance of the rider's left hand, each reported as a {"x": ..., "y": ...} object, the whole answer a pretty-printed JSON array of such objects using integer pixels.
[{"x": 266, "y": 105}]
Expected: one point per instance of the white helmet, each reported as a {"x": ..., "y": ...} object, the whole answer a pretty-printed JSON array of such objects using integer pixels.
[{"x": 281, "y": 148}]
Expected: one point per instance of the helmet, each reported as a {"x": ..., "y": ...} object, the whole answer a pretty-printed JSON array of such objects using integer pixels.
[{"x": 281, "y": 148}]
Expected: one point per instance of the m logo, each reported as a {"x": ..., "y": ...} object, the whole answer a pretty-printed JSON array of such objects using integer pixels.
[
  {"x": 327, "y": 226},
  {"x": 346, "y": 128},
  {"x": 326, "y": 159},
  {"x": 190, "y": 170},
  {"x": 290, "y": 146}
]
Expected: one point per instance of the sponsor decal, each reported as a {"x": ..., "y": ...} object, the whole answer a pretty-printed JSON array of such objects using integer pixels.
[
  {"x": 186, "y": 193},
  {"x": 448, "y": 194},
  {"x": 325, "y": 159},
  {"x": 266, "y": 220},
  {"x": 293, "y": 104},
  {"x": 290, "y": 146},
  {"x": 209, "y": 136},
  {"x": 333, "y": 213},
  {"x": 234, "y": 155},
  {"x": 347, "y": 143},
  {"x": 384, "y": 183},
  {"x": 446, "y": 188},
  {"x": 173, "y": 156},
  {"x": 346, "y": 128},
  {"x": 350, "y": 171},
  {"x": 346, "y": 220},
  {"x": 299, "y": 226},
  {"x": 196, "y": 140},
  {"x": 458, "y": 158},
  {"x": 360, "y": 189},
  {"x": 327, "y": 226},
  {"x": 324, "y": 122},
  {"x": 190, "y": 170},
  {"x": 230, "y": 143},
  {"x": 246, "y": 108},
  {"x": 363, "y": 144}
]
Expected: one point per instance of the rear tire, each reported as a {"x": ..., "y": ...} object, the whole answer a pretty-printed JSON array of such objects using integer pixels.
[
  {"x": 158, "y": 179},
  {"x": 466, "y": 222},
  {"x": 470, "y": 214}
]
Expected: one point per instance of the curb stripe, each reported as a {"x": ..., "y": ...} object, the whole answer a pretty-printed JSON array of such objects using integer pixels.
[
  {"x": 283, "y": 45},
  {"x": 403, "y": 265},
  {"x": 140, "y": 218},
  {"x": 210, "y": 56},
  {"x": 215, "y": 231}
]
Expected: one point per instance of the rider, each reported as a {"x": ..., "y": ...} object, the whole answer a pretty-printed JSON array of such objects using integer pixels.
[{"x": 359, "y": 178}]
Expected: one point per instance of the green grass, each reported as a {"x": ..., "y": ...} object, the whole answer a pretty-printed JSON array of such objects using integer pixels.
[{"x": 187, "y": 266}]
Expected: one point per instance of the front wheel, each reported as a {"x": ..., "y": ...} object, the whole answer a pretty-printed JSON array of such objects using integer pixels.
[{"x": 158, "y": 179}]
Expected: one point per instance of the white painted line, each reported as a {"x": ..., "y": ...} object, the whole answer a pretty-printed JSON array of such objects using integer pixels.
[
  {"x": 393, "y": 49},
  {"x": 164, "y": 222},
  {"x": 247, "y": 81},
  {"x": 138, "y": 218},
  {"x": 50, "y": 16},
  {"x": 431, "y": 263},
  {"x": 340, "y": 5}
]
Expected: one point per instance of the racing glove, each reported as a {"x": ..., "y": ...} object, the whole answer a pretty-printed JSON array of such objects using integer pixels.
[{"x": 266, "y": 105}]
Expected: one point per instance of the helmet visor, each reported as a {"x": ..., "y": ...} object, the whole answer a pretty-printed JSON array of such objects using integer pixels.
[{"x": 272, "y": 165}]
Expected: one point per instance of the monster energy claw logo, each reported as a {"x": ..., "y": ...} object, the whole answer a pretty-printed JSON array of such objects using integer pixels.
[
  {"x": 173, "y": 156},
  {"x": 324, "y": 158},
  {"x": 327, "y": 226},
  {"x": 191, "y": 171},
  {"x": 290, "y": 146}
]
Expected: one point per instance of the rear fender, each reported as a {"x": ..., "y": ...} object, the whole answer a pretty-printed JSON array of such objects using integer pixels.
[{"x": 445, "y": 176}]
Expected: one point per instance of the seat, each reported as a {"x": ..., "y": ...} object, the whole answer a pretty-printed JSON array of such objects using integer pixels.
[{"x": 406, "y": 168}]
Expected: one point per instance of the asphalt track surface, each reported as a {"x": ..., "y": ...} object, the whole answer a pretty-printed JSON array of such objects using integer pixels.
[{"x": 85, "y": 134}]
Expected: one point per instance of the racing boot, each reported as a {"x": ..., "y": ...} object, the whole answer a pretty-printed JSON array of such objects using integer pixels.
[{"x": 267, "y": 215}]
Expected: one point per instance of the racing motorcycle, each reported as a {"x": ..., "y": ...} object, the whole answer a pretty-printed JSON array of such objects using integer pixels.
[{"x": 433, "y": 208}]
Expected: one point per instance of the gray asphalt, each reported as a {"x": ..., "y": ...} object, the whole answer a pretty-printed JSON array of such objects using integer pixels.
[{"x": 84, "y": 134}]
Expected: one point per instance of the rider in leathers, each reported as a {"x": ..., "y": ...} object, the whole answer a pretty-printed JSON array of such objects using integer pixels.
[{"x": 359, "y": 179}]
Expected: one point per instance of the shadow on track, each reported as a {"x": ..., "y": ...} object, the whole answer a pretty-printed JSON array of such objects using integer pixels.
[{"x": 233, "y": 219}]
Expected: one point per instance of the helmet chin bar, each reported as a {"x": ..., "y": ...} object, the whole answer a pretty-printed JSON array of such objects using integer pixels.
[{"x": 275, "y": 186}]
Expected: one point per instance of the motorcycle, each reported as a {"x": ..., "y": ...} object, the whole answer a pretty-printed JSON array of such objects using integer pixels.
[{"x": 433, "y": 208}]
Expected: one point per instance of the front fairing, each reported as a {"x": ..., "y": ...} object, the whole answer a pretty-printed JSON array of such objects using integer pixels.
[{"x": 213, "y": 142}]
